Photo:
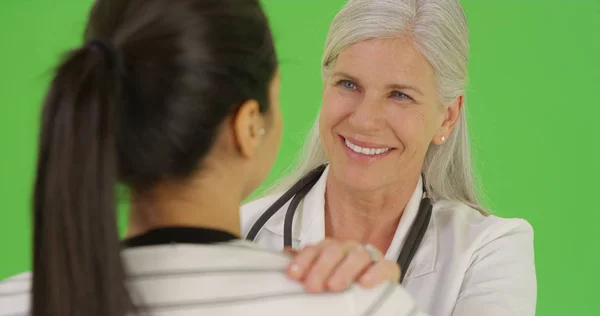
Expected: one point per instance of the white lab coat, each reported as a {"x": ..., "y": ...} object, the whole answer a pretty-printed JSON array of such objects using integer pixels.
[{"x": 468, "y": 264}]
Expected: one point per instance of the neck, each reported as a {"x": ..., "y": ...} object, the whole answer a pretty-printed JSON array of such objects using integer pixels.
[
  {"x": 367, "y": 217},
  {"x": 211, "y": 200}
]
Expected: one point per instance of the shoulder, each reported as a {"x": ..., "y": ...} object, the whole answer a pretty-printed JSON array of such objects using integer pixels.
[
  {"x": 494, "y": 255},
  {"x": 252, "y": 210},
  {"x": 14, "y": 294},
  {"x": 388, "y": 298},
  {"x": 231, "y": 274},
  {"x": 487, "y": 246},
  {"x": 465, "y": 222}
]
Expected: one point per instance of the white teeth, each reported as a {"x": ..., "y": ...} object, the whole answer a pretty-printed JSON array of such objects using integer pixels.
[{"x": 366, "y": 151}]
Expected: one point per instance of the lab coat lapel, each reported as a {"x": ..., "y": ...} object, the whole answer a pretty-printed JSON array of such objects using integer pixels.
[
  {"x": 313, "y": 213},
  {"x": 309, "y": 218},
  {"x": 424, "y": 259}
]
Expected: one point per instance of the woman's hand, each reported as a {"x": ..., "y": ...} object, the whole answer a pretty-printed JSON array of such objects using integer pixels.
[{"x": 333, "y": 265}]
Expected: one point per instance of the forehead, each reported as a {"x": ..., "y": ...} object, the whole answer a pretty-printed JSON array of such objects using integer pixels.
[{"x": 394, "y": 60}]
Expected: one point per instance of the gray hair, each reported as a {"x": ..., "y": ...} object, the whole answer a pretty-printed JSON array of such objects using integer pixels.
[{"x": 439, "y": 31}]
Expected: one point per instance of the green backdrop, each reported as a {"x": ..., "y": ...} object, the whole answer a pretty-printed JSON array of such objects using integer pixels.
[{"x": 532, "y": 102}]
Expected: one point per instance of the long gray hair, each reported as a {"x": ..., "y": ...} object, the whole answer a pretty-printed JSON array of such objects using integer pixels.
[{"x": 439, "y": 31}]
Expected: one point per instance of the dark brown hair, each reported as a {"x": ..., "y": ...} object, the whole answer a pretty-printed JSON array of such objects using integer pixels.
[{"x": 139, "y": 104}]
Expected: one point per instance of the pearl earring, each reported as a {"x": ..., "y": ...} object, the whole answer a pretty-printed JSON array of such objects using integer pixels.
[
  {"x": 261, "y": 132},
  {"x": 443, "y": 139}
]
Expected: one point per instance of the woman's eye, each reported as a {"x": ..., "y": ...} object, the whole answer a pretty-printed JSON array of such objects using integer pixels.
[
  {"x": 348, "y": 84},
  {"x": 400, "y": 96}
]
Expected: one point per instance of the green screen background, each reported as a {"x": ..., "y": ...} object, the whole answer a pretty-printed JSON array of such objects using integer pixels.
[{"x": 532, "y": 102}]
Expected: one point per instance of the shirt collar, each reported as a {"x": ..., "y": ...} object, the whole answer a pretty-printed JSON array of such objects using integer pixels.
[
  {"x": 408, "y": 217},
  {"x": 179, "y": 235}
]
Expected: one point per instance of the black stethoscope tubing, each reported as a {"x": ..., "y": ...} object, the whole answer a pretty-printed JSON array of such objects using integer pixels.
[{"x": 301, "y": 188}]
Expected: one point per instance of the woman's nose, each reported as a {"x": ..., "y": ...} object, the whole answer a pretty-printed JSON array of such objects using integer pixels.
[{"x": 368, "y": 115}]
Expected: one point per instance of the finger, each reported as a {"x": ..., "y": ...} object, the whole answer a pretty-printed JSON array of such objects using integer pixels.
[
  {"x": 304, "y": 259},
  {"x": 329, "y": 258},
  {"x": 290, "y": 251},
  {"x": 353, "y": 265},
  {"x": 302, "y": 262},
  {"x": 380, "y": 272}
]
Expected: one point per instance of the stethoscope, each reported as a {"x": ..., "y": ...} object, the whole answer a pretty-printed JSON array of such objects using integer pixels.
[{"x": 299, "y": 190}]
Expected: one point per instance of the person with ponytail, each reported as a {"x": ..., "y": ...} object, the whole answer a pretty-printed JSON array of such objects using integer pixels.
[{"x": 177, "y": 101}]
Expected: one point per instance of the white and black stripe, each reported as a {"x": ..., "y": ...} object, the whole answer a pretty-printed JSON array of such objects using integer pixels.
[{"x": 232, "y": 278}]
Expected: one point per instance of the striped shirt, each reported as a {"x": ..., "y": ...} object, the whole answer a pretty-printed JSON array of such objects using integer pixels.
[{"x": 227, "y": 278}]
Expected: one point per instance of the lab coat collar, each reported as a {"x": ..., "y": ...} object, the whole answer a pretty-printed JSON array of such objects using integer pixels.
[
  {"x": 424, "y": 260},
  {"x": 309, "y": 227},
  {"x": 310, "y": 215}
]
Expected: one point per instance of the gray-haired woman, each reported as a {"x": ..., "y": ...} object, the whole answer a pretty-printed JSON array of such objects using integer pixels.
[{"x": 391, "y": 140}]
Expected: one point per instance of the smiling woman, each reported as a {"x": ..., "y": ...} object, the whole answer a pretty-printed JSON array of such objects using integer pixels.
[
  {"x": 380, "y": 102},
  {"x": 387, "y": 165}
]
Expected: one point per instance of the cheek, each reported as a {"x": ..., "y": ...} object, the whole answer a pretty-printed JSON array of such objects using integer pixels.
[
  {"x": 335, "y": 108},
  {"x": 410, "y": 126}
]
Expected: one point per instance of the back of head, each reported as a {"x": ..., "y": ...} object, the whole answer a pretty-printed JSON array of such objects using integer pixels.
[
  {"x": 139, "y": 104},
  {"x": 438, "y": 29}
]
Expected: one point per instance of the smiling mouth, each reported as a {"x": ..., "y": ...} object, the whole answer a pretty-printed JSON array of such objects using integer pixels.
[{"x": 366, "y": 151}]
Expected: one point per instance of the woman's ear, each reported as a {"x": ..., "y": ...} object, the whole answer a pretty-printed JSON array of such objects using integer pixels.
[
  {"x": 451, "y": 116},
  {"x": 248, "y": 128}
]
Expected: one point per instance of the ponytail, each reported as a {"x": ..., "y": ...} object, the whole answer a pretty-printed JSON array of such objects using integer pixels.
[{"x": 77, "y": 267}]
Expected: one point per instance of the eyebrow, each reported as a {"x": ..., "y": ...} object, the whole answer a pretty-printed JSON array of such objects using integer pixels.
[{"x": 393, "y": 86}]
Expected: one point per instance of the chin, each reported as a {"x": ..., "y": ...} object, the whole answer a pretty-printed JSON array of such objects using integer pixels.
[{"x": 358, "y": 178}]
